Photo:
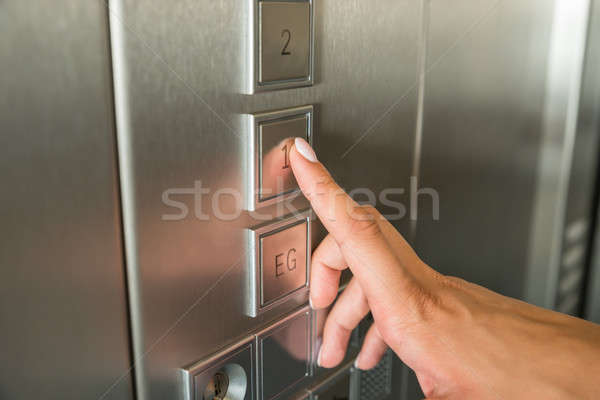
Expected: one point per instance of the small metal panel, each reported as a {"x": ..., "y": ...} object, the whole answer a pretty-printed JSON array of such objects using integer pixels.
[
  {"x": 341, "y": 385},
  {"x": 281, "y": 55},
  {"x": 271, "y": 134},
  {"x": 284, "y": 355},
  {"x": 279, "y": 258},
  {"x": 227, "y": 375}
]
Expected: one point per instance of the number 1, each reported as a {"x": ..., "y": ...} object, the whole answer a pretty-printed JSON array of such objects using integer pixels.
[{"x": 286, "y": 157}]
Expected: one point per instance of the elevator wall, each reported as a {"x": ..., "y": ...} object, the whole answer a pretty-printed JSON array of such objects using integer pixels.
[{"x": 63, "y": 310}]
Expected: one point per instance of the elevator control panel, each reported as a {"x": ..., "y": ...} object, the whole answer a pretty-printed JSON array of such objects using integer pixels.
[
  {"x": 284, "y": 356},
  {"x": 278, "y": 264},
  {"x": 281, "y": 52},
  {"x": 270, "y": 136},
  {"x": 272, "y": 363}
]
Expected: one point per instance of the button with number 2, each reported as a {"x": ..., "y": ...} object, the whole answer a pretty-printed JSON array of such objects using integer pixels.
[{"x": 282, "y": 53}]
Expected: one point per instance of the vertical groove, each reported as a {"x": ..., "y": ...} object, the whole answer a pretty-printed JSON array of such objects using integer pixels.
[
  {"x": 418, "y": 140},
  {"x": 126, "y": 174},
  {"x": 128, "y": 311},
  {"x": 422, "y": 69}
]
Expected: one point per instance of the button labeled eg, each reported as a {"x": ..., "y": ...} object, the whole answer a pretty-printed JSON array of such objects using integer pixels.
[
  {"x": 271, "y": 135},
  {"x": 278, "y": 266}
]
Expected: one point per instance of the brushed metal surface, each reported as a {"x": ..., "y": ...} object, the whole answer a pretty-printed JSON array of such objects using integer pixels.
[
  {"x": 337, "y": 386},
  {"x": 179, "y": 72},
  {"x": 485, "y": 88},
  {"x": 62, "y": 292},
  {"x": 284, "y": 355},
  {"x": 588, "y": 125},
  {"x": 557, "y": 149},
  {"x": 285, "y": 40}
]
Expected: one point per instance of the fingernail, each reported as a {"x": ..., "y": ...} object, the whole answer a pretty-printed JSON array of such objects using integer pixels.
[
  {"x": 319, "y": 356},
  {"x": 305, "y": 150},
  {"x": 356, "y": 361},
  {"x": 310, "y": 303}
]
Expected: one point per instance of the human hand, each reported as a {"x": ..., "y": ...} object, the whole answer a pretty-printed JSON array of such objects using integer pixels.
[{"x": 462, "y": 340}]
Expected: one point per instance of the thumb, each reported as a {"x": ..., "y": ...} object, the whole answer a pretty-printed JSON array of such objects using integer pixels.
[{"x": 353, "y": 227}]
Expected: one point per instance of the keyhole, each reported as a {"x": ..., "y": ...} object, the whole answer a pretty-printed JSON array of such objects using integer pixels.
[{"x": 221, "y": 382}]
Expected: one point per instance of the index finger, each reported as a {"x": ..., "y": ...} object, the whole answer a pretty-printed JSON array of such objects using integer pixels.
[{"x": 357, "y": 233}]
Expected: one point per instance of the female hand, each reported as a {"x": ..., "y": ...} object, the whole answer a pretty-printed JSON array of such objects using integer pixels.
[{"x": 462, "y": 340}]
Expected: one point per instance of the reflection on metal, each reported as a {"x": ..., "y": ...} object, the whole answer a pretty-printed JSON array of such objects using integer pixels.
[
  {"x": 284, "y": 355},
  {"x": 340, "y": 385},
  {"x": 574, "y": 256},
  {"x": 269, "y": 178},
  {"x": 576, "y": 230},
  {"x": 563, "y": 88}
]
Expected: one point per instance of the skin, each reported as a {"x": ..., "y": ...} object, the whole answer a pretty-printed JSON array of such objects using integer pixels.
[{"x": 462, "y": 340}]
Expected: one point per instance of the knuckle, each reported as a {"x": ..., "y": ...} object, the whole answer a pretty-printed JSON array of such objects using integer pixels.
[
  {"x": 362, "y": 223},
  {"x": 322, "y": 185},
  {"x": 425, "y": 303}
]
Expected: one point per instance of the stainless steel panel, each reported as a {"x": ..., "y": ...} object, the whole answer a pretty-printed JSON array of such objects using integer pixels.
[
  {"x": 589, "y": 128},
  {"x": 483, "y": 106},
  {"x": 285, "y": 40},
  {"x": 557, "y": 151},
  {"x": 278, "y": 265},
  {"x": 269, "y": 178},
  {"x": 338, "y": 386},
  {"x": 228, "y": 374},
  {"x": 179, "y": 71},
  {"x": 284, "y": 355},
  {"x": 62, "y": 292}
]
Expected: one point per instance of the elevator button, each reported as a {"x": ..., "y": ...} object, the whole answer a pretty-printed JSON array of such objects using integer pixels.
[
  {"x": 284, "y": 356},
  {"x": 283, "y": 266},
  {"x": 284, "y": 40},
  {"x": 270, "y": 139},
  {"x": 279, "y": 262},
  {"x": 282, "y": 52}
]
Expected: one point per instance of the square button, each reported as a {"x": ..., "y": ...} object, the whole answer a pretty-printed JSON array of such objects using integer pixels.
[
  {"x": 278, "y": 264},
  {"x": 281, "y": 48},
  {"x": 284, "y": 40},
  {"x": 284, "y": 355},
  {"x": 283, "y": 261},
  {"x": 270, "y": 178},
  {"x": 276, "y": 138}
]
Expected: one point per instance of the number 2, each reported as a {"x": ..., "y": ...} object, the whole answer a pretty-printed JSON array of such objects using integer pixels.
[{"x": 285, "y": 51}]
